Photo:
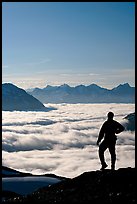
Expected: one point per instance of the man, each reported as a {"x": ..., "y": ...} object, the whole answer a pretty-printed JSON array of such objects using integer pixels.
[{"x": 108, "y": 131}]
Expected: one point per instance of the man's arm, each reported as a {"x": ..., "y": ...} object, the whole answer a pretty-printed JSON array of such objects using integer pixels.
[
  {"x": 101, "y": 134},
  {"x": 120, "y": 128}
]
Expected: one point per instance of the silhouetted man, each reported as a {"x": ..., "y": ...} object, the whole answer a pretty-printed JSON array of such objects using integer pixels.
[{"x": 108, "y": 131}]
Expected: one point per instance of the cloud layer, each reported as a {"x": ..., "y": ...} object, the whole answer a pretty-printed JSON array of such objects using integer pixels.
[{"x": 63, "y": 141}]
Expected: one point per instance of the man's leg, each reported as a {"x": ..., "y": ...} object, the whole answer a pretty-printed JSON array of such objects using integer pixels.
[
  {"x": 102, "y": 147},
  {"x": 113, "y": 155}
]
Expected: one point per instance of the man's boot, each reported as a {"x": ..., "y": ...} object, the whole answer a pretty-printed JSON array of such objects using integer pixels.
[
  {"x": 112, "y": 166},
  {"x": 104, "y": 165}
]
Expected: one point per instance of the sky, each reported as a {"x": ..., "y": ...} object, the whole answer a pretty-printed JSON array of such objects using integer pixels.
[
  {"x": 63, "y": 141},
  {"x": 52, "y": 43}
]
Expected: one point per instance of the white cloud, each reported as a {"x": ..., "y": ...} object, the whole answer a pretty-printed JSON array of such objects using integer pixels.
[{"x": 63, "y": 141}]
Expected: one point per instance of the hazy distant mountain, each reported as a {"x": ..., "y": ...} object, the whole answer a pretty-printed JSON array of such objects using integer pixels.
[
  {"x": 130, "y": 125},
  {"x": 93, "y": 93},
  {"x": 14, "y": 98}
]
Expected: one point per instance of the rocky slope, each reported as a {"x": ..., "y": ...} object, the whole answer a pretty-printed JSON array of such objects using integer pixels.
[
  {"x": 14, "y": 98},
  {"x": 109, "y": 187}
]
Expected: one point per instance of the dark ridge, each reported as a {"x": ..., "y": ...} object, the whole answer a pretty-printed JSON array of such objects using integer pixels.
[
  {"x": 107, "y": 187},
  {"x": 14, "y": 173}
]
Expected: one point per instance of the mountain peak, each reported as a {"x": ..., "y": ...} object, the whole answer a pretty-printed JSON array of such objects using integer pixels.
[
  {"x": 10, "y": 85},
  {"x": 93, "y": 85},
  {"x": 126, "y": 85},
  {"x": 122, "y": 87},
  {"x": 64, "y": 85}
]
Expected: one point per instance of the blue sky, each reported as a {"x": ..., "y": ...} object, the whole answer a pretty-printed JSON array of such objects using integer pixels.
[{"x": 74, "y": 43}]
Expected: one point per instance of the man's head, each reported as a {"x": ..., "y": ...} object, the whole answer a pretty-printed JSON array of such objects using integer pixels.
[{"x": 110, "y": 115}]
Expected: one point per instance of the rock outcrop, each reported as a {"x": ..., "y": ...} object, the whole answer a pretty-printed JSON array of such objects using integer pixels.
[{"x": 109, "y": 187}]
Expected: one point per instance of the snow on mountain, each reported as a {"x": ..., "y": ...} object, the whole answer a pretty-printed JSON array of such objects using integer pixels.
[
  {"x": 85, "y": 94},
  {"x": 14, "y": 98}
]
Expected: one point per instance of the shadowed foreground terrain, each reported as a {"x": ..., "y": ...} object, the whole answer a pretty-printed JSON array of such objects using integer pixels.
[{"x": 90, "y": 187}]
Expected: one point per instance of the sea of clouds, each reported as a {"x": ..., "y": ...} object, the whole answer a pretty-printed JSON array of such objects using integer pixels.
[{"x": 63, "y": 141}]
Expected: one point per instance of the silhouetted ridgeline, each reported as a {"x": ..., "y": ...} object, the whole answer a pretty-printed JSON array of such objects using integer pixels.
[{"x": 107, "y": 187}]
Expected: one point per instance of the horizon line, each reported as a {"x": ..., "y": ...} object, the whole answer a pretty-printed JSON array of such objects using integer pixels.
[{"x": 70, "y": 85}]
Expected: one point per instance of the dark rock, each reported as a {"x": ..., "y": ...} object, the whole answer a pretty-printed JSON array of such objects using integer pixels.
[{"x": 117, "y": 186}]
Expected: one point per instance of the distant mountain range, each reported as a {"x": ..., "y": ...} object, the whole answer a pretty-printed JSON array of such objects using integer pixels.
[
  {"x": 93, "y": 93},
  {"x": 14, "y": 98}
]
